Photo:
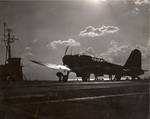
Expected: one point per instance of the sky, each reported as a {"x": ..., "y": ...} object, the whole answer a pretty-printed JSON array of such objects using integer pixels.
[{"x": 110, "y": 29}]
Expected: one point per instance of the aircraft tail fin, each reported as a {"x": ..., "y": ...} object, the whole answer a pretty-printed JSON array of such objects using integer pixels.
[{"x": 134, "y": 60}]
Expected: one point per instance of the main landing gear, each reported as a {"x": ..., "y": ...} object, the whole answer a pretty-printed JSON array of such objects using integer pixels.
[
  {"x": 117, "y": 78},
  {"x": 85, "y": 77}
]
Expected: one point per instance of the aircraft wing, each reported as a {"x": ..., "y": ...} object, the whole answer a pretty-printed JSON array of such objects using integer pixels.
[{"x": 52, "y": 66}]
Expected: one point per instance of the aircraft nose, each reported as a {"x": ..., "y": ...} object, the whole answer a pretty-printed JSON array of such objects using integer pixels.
[
  {"x": 67, "y": 60},
  {"x": 64, "y": 59}
]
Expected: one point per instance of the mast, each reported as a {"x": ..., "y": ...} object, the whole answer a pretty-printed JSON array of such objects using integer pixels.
[
  {"x": 12, "y": 70},
  {"x": 9, "y": 38}
]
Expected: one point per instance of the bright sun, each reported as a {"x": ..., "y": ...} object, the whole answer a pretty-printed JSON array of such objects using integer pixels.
[{"x": 97, "y": 1}]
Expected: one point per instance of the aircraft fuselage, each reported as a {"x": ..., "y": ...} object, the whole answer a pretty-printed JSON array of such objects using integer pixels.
[{"x": 84, "y": 65}]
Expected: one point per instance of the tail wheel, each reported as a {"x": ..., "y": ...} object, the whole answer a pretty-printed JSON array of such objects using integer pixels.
[{"x": 135, "y": 78}]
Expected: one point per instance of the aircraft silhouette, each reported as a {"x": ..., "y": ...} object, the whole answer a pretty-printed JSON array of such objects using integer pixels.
[{"x": 84, "y": 65}]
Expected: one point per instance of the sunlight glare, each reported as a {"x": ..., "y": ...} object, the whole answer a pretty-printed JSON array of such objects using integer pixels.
[{"x": 97, "y": 1}]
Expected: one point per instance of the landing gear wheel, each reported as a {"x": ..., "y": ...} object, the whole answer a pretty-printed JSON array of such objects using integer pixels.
[
  {"x": 117, "y": 78},
  {"x": 135, "y": 78},
  {"x": 85, "y": 77},
  {"x": 65, "y": 79}
]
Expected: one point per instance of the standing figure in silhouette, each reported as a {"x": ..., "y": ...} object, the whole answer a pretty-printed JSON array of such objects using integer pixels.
[
  {"x": 59, "y": 75},
  {"x": 65, "y": 76}
]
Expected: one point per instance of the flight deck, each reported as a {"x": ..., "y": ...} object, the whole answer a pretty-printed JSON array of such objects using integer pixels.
[
  {"x": 74, "y": 100},
  {"x": 52, "y": 91}
]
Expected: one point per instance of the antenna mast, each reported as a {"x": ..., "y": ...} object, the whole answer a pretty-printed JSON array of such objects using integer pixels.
[
  {"x": 9, "y": 38},
  {"x": 12, "y": 69}
]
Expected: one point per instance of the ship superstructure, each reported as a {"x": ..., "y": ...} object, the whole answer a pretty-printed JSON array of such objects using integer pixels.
[{"x": 12, "y": 68}]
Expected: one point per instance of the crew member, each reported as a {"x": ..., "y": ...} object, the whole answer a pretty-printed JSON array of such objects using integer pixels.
[
  {"x": 65, "y": 76},
  {"x": 60, "y": 76}
]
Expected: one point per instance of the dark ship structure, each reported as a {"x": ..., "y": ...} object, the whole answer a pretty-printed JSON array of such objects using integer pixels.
[{"x": 12, "y": 68}]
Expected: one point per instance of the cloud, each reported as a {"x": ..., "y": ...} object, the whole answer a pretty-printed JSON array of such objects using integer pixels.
[
  {"x": 27, "y": 55},
  {"x": 88, "y": 51},
  {"x": 144, "y": 50},
  {"x": 117, "y": 51},
  {"x": 91, "y": 31},
  {"x": 27, "y": 48},
  {"x": 35, "y": 40},
  {"x": 69, "y": 42},
  {"x": 27, "y": 52},
  {"x": 135, "y": 11},
  {"x": 114, "y": 50},
  {"x": 141, "y": 2},
  {"x": 106, "y": 56},
  {"x": 110, "y": 29},
  {"x": 149, "y": 42}
]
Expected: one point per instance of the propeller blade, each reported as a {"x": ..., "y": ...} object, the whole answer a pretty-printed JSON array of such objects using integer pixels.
[
  {"x": 66, "y": 49},
  {"x": 37, "y": 62},
  {"x": 71, "y": 50},
  {"x": 58, "y": 67},
  {"x": 52, "y": 66}
]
